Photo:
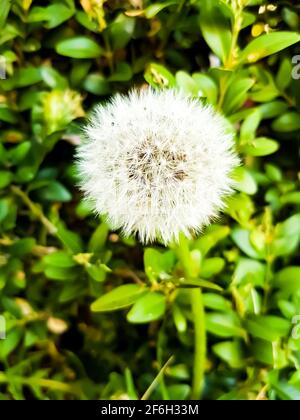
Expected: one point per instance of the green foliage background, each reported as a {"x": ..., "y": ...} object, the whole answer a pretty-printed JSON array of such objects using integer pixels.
[{"x": 56, "y": 258}]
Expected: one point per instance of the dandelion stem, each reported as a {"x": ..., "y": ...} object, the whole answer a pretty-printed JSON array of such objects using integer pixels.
[
  {"x": 197, "y": 306},
  {"x": 200, "y": 343}
]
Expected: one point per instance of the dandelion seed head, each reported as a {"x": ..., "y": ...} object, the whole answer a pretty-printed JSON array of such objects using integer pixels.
[{"x": 156, "y": 163}]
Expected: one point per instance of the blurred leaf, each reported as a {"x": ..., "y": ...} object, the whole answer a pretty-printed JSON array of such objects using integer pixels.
[
  {"x": 231, "y": 353},
  {"x": 59, "y": 259},
  {"x": 236, "y": 95},
  {"x": 269, "y": 328},
  {"x": 147, "y": 308},
  {"x": 53, "y": 15},
  {"x": 215, "y": 29},
  {"x": 97, "y": 84},
  {"x": 287, "y": 122},
  {"x": 158, "y": 264},
  {"x": 54, "y": 191},
  {"x": 245, "y": 182},
  {"x": 260, "y": 147},
  {"x": 288, "y": 279},
  {"x": 4, "y": 11},
  {"x": 211, "y": 267},
  {"x": 158, "y": 76},
  {"x": 5, "y": 178},
  {"x": 79, "y": 47},
  {"x": 224, "y": 325},
  {"x": 267, "y": 45},
  {"x": 119, "y": 298}
]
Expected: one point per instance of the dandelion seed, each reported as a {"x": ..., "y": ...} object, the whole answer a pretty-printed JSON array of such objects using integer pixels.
[{"x": 156, "y": 163}]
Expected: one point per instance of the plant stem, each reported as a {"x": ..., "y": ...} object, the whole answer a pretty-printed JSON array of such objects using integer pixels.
[
  {"x": 156, "y": 380},
  {"x": 50, "y": 384},
  {"x": 198, "y": 311},
  {"x": 35, "y": 209},
  {"x": 200, "y": 343}
]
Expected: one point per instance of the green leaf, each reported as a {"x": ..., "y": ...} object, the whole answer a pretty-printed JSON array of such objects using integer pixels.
[
  {"x": 5, "y": 178},
  {"x": 231, "y": 352},
  {"x": 123, "y": 73},
  {"x": 179, "y": 392},
  {"x": 216, "y": 302},
  {"x": 79, "y": 47},
  {"x": 158, "y": 264},
  {"x": 186, "y": 83},
  {"x": 197, "y": 283},
  {"x": 22, "y": 247},
  {"x": 97, "y": 272},
  {"x": 26, "y": 76},
  {"x": 53, "y": 79},
  {"x": 236, "y": 95},
  {"x": 242, "y": 239},
  {"x": 211, "y": 267},
  {"x": 215, "y": 29},
  {"x": 250, "y": 125},
  {"x": 7, "y": 115},
  {"x": 84, "y": 20},
  {"x": 17, "y": 154},
  {"x": 268, "y": 44},
  {"x": 207, "y": 87},
  {"x": 159, "y": 77},
  {"x": 273, "y": 109},
  {"x": 287, "y": 392},
  {"x": 70, "y": 239},
  {"x": 261, "y": 146},
  {"x": 269, "y": 328},
  {"x": 10, "y": 343},
  {"x": 288, "y": 280},
  {"x": 53, "y": 15},
  {"x": 54, "y": 191},
  {"x": 245, "y": 181},
  {"x": 284, "y": 75},
  {"x": 179, "y": 319},
  {"x": 287, "y": 236},
  {"x": 97, "y": 84},
  {"x": 148, "y": 308},
  {"x": 98, "y": 239},
  {"x": 152, "y": 10},
  {"x": 120, "y": 31},
  {"x": 119, "y": 298},
  {"x": 288, "y": 122},
  {"x": 61, "y": 273},
  {"x": 4, "y": 209},
  {"x": 211, "y": 237},
  {"x": 224, "y": 325},
  {"x": 249, "y": 271},
  {"x": 4, "y": 11},
  {"x": 262, "y": 351},
  {"x": 60, "y": 259}
]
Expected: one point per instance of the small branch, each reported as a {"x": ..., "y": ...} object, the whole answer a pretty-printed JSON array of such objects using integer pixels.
[
  {"x": 35, "y": 209},
  {"x": 157, "y": 379}
]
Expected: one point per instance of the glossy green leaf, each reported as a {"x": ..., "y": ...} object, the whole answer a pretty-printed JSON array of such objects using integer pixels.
[
  {"x": 159, "y": 77},
  {"x": 224, "y": 325},
  {"x": 269, "y": 328},
  {"x": 287, "y": 122},
  {"x": 79, "y": 47},
  {"x": 119, "y": 298},
  {"x": 60, "y": 259},
  {"x": 268, "y": 44},
  {"x": 261, "y": 146},
  {"x": 147, "y": 308},
  {"x": 231, "y": 353}
]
